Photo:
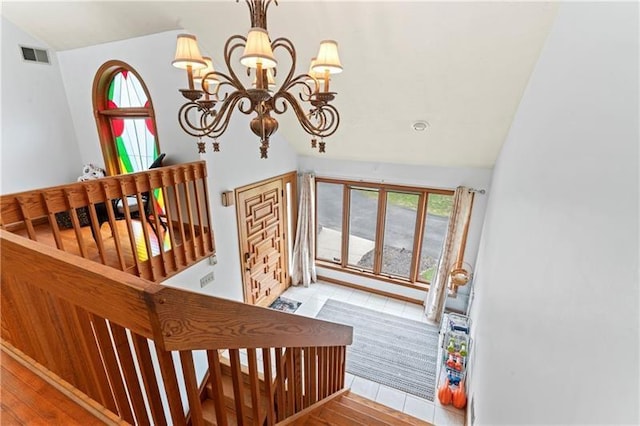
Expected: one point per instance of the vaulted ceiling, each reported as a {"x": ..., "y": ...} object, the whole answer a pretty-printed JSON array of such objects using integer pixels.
[{"x": 460, "y": 66}]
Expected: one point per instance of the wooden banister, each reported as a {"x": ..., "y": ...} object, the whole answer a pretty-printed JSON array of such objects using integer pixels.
[
  {"x": 153, "y": 242},
  {"x": 212, "y": 323},
  {"x": 100, "y": 328}
]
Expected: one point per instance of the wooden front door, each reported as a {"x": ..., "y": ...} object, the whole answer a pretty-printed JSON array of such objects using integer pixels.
[{"x": 261, "y": 227}]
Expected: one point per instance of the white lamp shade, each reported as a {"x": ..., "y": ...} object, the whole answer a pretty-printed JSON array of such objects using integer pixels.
[
  {"x": 187, "y": 53},
  {"x": 212, "y": 80},
  {"x": 312, "y": 73},
  {"x": 328, "y": 59},
  {"x": 271, "y": 82},
  {"x": 258, "y": 50}
]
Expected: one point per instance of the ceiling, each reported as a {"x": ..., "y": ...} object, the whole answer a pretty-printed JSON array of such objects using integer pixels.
[{"x": 460, "y": 66}]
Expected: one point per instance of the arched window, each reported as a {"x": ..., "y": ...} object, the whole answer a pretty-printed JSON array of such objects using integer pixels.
[{"x": 125, "y": 118}]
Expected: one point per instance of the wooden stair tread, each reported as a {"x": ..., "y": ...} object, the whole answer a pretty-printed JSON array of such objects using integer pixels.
[
  {"x": 209, "y": 414},
  {"x": 351, "y": 409},
  {"x": 208, "y": 406},
  {"x": 382, "y": 412}
]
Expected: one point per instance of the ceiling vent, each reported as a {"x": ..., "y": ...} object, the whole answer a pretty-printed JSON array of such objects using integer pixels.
[{"x": 32, "y": 54}]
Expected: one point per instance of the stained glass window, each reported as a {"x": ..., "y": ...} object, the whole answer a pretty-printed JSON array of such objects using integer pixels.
[{"x": 126, "y": 124}]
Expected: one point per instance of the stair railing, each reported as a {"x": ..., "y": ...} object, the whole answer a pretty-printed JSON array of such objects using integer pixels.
[
  {"x": 136, "y": 347},
  {"x": 159, "y": 219}
]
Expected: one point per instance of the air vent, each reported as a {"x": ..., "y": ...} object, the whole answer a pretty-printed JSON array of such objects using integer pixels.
[{"x": 32, "y": 54}]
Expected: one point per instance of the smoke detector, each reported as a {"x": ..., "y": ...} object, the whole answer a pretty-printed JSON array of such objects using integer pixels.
[{"x": 420, "y": 125}]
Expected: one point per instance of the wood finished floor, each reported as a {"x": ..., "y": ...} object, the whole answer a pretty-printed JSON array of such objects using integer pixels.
[
  {"x": 26, "y": 399},
  {"x": 44, "y": 234}
]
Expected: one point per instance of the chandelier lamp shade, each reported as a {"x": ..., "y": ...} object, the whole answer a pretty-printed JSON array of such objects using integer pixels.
[{"x": 213, "y": 96}]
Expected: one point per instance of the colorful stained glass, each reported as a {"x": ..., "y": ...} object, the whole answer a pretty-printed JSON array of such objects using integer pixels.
[
  {"x": 126, "y": 91},
  {"x": 134, "y": 137}
]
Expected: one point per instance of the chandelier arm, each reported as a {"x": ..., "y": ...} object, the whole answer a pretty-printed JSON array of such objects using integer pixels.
[
  {"x": 223, "y": 117},
  {"x": 309, "y": 127},
  {"x": 185, "y": 122},
  {"x": 287, "y": 45},
  {"x": 224, "y": 79},
  {"x": 239, "y": 41}
]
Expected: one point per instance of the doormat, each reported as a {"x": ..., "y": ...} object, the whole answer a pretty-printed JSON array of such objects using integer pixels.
[
  {"x": 390, "y": 350},
  {"x": 285, "y": 305}
]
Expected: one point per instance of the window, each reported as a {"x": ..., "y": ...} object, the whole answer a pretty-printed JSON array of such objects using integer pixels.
[
  {"x": 387, "y": 231},
  {"x": 125, "y": 118}
]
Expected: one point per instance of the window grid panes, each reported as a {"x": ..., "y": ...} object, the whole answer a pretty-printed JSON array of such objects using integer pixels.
[
  {"x": 382, "y": 222},
  {"x": 363, "y": 216},
  {"x": 329, "y": 221},
  {"x": 399, "y": 233},
  {"x": 435, "y": 230}
]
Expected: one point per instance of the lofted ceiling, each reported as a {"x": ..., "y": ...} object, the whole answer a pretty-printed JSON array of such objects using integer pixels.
[{"x": 460, "y": 66}]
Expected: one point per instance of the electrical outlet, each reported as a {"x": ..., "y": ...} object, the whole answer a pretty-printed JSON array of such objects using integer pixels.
[
  {"x": 206, "y": 279},
  {"x": 213, "y": 260}
]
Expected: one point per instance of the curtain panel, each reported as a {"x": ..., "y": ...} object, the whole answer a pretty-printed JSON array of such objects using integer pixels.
[
  {"x": 304, "y": 248},
  {"x": 460, "y": 215}
]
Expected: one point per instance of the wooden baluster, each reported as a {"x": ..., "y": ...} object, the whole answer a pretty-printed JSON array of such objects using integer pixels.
[
  {"x": 268, "y": 381},
  {"x": 171, "y": 388},
  {"x": 96, "y": 227},
  {"x": 313, "y": 375},
  {"x": 111, "y": 366},
  {"x": 114, "y": 228},
  {"x": 142, "y": 215},
  {"x": 76, "y": 224},
  {"x": 187, "y": 197},
  {"x": 307, "y": 377},
  {"x": 193, "y": 392},
  {"x": 280, "y": 388},
  {"x": 297, "y": 360},
  {"x": 202, "y": 246},
  {"x": 158, "y": 224},
  {"x": 215, "y": 380},
  {"x": 210, "y": 237},
  {"x": 167, "y": 208},
  {"x": 291, "y": 382},
  {"x": 88, "y": 339},
  {"x": 123, "y": 348},
  {"x": 27, "y": 218},
  {"x": 343, "y": 365},
  {"x": 321, "y": 373},
  {"x": 127, "y": 218},
  {"x": 176, "y": 192},
  {"x": 236, "y": 378},
  {"x": 332, "y": 370},
  {"x": 52, "y": 221},
  {"x": 148, "y": 374},
  {"x": 254, "y": 384}
]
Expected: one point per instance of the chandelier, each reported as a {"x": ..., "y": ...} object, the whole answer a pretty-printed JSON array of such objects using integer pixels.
[{"x": 213, "y": 96}]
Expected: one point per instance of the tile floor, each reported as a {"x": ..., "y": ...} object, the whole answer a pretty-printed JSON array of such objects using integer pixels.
[{"x": 313, "y": 298}]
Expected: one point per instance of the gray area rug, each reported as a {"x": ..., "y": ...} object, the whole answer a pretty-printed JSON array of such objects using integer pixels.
[{"x": 393, "y": 351}]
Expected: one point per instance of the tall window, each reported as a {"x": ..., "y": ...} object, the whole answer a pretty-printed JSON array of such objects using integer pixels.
[
  {"x": 389, "y": 231},
  {"x": 125, "y": 118}
]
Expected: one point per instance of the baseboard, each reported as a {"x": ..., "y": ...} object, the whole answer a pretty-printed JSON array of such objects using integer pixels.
[{"x": 370, "y": 290}]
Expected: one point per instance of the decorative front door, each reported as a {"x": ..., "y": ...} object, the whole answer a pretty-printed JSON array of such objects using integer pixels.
[{"x": 261, "y": 225}]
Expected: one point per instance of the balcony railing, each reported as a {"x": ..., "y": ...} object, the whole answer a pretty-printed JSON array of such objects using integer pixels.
[{"x": 159, "y": 219}]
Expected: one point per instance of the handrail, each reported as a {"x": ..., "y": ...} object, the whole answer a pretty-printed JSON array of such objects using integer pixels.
[
  {"x": 89, "y": 324},
  {"x": 174, "y": 201}
]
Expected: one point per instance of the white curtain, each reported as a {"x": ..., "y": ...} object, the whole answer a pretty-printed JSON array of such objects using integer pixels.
[
  {"x": 460, "y": 215},
  {"x": 304, "y": 248}
]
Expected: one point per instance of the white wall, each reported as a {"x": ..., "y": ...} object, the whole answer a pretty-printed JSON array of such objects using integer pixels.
[
  {"x": 237, "y": 164},
  {"x": 39, "y": 147},
  {"x": 425, "y": 176},
  {"x": 556, "y": 309}
]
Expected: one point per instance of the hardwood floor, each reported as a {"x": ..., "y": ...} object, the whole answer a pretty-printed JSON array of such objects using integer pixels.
[
  {"x": 27, "y": 399},
  {"x": 129, "y": 246}
]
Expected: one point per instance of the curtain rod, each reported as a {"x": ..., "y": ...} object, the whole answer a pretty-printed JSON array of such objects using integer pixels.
[
  {"x": 373, "y": 180},
  {"x": 478, "y": 191}
]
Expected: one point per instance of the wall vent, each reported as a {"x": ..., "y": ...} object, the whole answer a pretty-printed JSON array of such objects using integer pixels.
[{"x": 32, "y": 54}]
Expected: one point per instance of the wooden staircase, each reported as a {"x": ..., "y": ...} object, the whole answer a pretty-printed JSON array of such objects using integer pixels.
[{"x": 348, "y": 409}]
